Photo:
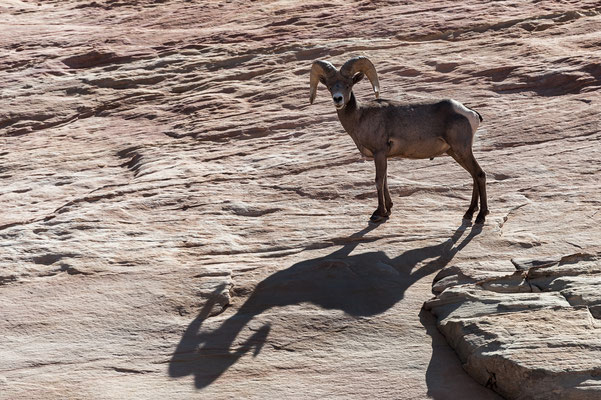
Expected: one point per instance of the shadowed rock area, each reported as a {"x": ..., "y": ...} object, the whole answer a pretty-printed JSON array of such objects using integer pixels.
[{"x": 178, "y": 221}]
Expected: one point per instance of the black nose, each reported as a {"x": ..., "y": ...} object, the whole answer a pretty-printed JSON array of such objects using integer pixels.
[{"x": 337, "y": 99}]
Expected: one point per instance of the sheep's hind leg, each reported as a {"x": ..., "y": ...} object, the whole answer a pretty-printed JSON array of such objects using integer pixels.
[
  {"x": 382, "y": 212},
  {"x": 474, "y": 203},
  {"x": 387, "y": 196},
  {"x": 469, "y": 163},
  {"x": 481, "y": 177}
]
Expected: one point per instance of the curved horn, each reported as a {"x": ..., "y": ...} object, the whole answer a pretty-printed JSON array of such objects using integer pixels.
[
  {"x": 320, "y": 69},
  {"x": 362, "y": 64}
]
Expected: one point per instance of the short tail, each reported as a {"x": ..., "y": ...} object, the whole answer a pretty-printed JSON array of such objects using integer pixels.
[{"x": 479, "y": 116}]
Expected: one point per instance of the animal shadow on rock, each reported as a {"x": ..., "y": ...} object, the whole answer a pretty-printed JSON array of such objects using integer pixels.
[{"x": 360, "y": 285}]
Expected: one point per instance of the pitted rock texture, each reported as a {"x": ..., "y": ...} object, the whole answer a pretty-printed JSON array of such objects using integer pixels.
[
  {"x": 534, "y": 334},
  {"x": 178, "y": 222}
]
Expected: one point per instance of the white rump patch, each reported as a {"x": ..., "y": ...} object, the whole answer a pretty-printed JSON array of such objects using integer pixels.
[{"x": 471, "y": 116}]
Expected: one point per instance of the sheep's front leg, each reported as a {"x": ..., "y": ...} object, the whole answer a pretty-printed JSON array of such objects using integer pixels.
[{"x": 382, "y": 212}]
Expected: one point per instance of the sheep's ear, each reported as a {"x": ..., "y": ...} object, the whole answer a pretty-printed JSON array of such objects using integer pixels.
[{"x": 358, "y": 76}]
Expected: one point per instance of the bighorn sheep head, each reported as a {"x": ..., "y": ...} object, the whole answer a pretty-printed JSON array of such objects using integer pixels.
[{"x": 340, "y": 83}]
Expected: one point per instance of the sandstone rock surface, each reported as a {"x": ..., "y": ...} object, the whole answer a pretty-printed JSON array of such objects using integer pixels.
[
  {"x": 534, "y": 334},
  {"x": 178, "y": 222}
]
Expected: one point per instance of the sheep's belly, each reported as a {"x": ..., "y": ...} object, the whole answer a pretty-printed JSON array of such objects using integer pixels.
[{"x": 424, "y": 148}]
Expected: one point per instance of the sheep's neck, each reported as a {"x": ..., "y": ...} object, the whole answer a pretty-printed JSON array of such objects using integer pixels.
[
  {"x": 349, "y": 117},
  {"x": 349, "y": 114}
]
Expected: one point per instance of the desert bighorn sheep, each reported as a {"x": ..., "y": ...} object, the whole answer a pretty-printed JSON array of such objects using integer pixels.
[{"x": 384, "y": 128}]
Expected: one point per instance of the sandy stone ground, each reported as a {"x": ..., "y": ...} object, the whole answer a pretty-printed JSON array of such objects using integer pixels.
[{"x": 178, "y": 222}]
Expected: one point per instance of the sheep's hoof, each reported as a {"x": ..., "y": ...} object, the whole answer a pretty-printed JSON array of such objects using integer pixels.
[
  {"x": 481, "y": 217},
  {"x": 377, "y": 218},
  {"x": 469, "y": 213}
]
